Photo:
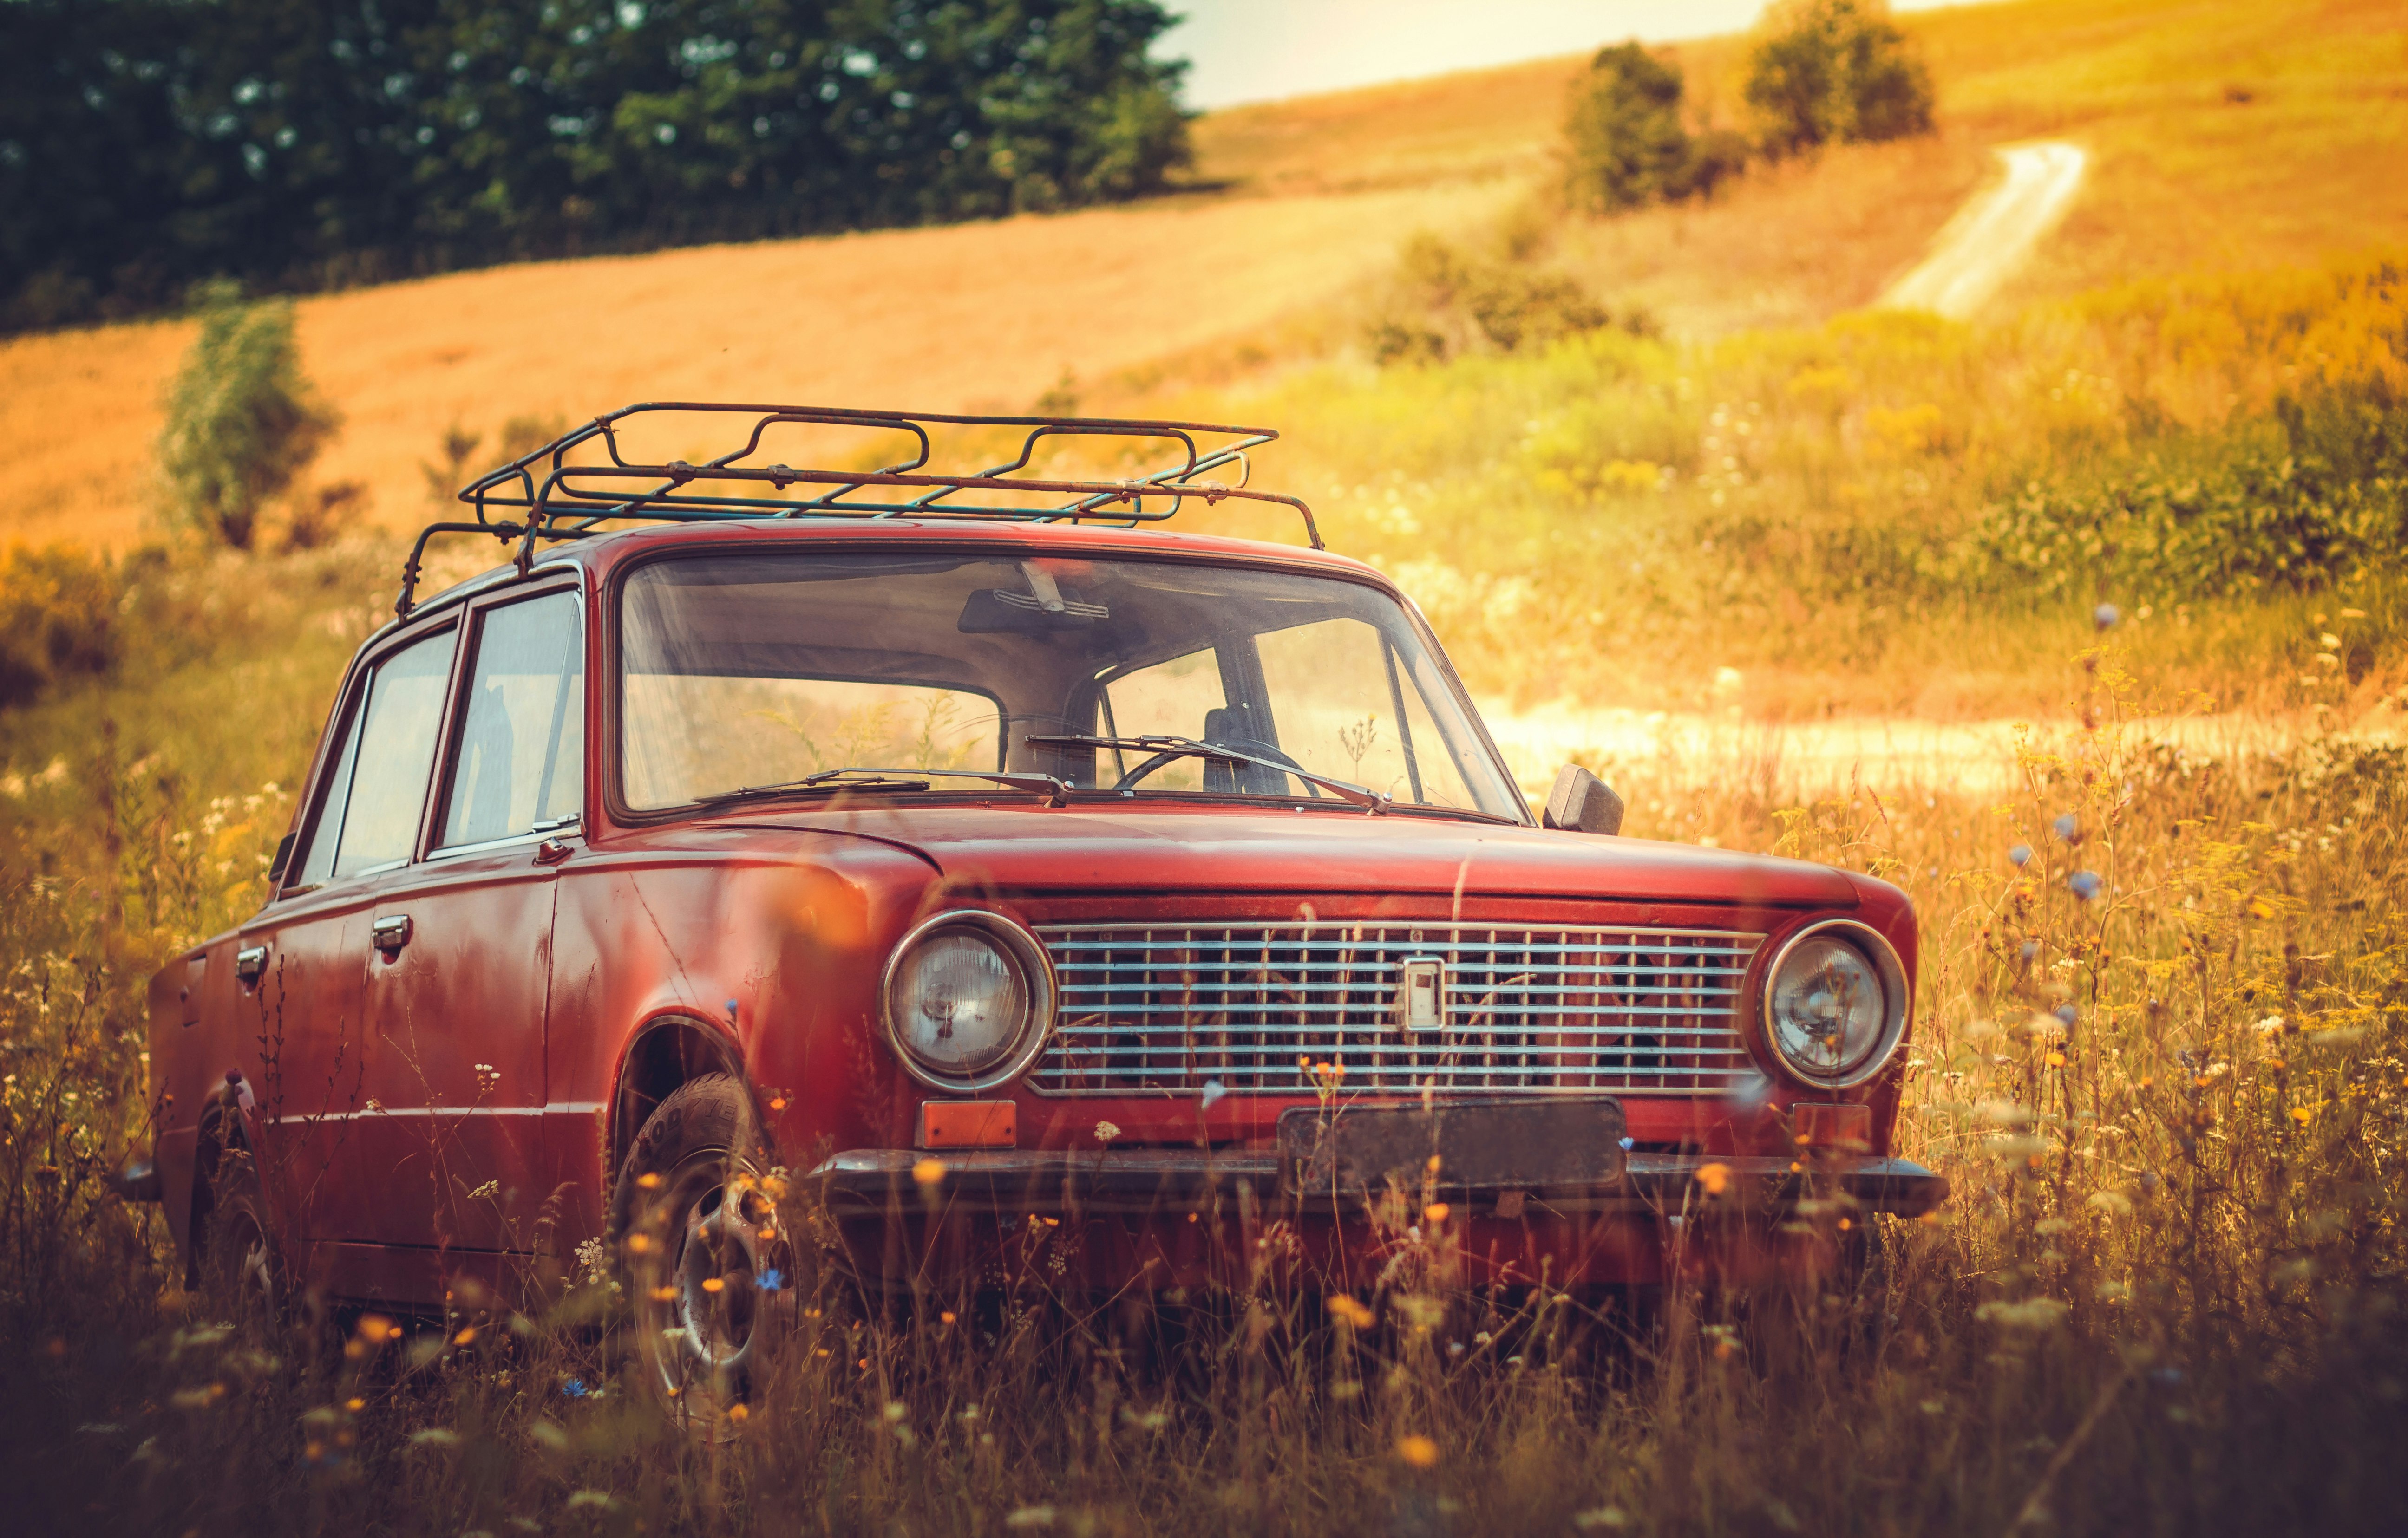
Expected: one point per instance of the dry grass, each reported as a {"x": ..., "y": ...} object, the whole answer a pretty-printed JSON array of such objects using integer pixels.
[
  {"x": 2165, "y": 1295},
  {"x": 969, "y": 316}
]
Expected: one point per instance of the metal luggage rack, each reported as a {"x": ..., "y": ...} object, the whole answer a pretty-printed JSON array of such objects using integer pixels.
[{"x": 541, "y": 496}]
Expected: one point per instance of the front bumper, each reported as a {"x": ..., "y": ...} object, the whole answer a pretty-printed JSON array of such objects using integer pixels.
[{"x": 1173, "y": 1183}]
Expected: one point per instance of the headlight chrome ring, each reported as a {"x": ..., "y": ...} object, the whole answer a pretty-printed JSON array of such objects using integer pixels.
[
  {"x": 1034, "y": 974},
  {"x": 1868, "y": 945}
]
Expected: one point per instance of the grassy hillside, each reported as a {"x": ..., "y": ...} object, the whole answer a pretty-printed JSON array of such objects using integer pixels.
[{"x": 1315, "y": 193}]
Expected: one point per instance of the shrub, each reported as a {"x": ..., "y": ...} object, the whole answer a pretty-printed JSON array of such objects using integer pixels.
[
  {"x": 1625, "y": 139},
  {"x": 57, "y": 620},
  {"x": 243, "y": 421},
  {"x": 1835, "y": 72},
  {"x": 1446, "y": 303}
]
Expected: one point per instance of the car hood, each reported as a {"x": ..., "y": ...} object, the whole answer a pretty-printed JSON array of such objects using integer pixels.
[{"x": 1086, "y": 848}]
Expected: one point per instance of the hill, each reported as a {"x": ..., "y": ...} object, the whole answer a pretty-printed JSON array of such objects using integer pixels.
[{"x": 2225, "y": 135}]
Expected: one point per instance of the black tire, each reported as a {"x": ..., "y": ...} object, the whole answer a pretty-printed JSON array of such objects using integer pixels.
[
  {"x": 241, "y": 1275},
  {"x": 689, "y": 1210}
]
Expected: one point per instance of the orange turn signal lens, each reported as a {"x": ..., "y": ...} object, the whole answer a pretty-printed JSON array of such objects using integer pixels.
[{"x": 968, "y": 1124}]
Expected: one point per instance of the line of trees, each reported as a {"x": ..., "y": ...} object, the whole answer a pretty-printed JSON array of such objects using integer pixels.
[
  {"x": 146, "y": 144},
  {"x": 1820, "y": 72}
]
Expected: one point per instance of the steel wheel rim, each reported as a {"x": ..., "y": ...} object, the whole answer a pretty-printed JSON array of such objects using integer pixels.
[{"x": 708, "y": 1219}]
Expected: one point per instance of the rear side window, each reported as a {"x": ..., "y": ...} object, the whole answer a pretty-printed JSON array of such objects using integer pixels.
[
  {"x": 378, "y": 789},
  {"x": 523, "y": 724}
]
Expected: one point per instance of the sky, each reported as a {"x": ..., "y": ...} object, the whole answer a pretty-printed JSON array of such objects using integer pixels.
[{"x": 1251, "y": 50}]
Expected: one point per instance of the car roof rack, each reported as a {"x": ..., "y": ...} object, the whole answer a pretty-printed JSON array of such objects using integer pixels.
[{"x": 541, "y": 496}]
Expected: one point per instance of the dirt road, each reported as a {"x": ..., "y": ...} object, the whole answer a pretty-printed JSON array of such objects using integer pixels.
[{"x": 1991, "y": 236}]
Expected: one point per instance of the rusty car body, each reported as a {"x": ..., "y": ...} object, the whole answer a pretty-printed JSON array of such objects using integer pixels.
[{"x": 970, "y": 868}]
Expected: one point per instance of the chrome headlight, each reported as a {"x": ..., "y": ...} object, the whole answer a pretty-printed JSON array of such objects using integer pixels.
[
  {"x": 968, "y": 999},
  {"x": 1835, "y": 1004}
]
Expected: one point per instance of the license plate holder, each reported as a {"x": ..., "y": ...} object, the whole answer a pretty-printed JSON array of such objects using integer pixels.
[{"x": 1495, "y": 1144}]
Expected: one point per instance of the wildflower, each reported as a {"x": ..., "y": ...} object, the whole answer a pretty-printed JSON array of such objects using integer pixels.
[
  {"x": 1418, "y": 1451},
  {"x": 927, "y": 1172},
  {"x": 1106, "y": 1132},
  {"x": 2020, "y": 855}
]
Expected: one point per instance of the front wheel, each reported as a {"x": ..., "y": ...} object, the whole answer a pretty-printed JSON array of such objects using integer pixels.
[
  {"x": 701, "y": 1249},
  {"x": 241, "y": 1275}
]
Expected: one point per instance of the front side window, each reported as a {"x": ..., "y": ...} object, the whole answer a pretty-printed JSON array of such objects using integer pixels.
[
  {"x": 759, "y": 670},
  {"x": 376, "y": 789},
  {"x": 522, "y": 748}
]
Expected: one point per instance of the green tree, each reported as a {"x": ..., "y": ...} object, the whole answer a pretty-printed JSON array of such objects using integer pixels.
[
  {"x": 1627, "y": 142},
  {"x": 1835, "y": 72},
  {"x": 242, "y": 422}
]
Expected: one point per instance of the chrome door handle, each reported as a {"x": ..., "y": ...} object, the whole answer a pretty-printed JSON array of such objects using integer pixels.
[
  {"x": 250, "y": 962},
  {"x": 390, "y": 933}
]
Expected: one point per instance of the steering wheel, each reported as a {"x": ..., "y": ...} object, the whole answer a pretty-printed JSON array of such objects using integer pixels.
[{"x": 1242, "y": 744}]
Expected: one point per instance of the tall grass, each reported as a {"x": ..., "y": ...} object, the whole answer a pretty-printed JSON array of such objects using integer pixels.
[
  {"x": 1865, "y": 502},
  {"x": 2159, "y": 1053}
]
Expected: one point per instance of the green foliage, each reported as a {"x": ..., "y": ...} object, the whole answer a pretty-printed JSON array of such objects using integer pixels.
[
  {"x": 146, "y": 143},
  {"x": 1445, "y": 302},
  {"x": 58, "y": 613},
  {"x": 1627, "y": 143},
  {"x": 242, "y": 422},
  {"x": 1835, "y": 72}
]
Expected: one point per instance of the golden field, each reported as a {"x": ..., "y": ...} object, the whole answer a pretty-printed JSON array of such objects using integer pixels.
[{"x": 1307, "y": 201}]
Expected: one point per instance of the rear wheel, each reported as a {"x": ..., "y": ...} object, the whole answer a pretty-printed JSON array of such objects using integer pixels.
[{"x": 705, "y": 1261}]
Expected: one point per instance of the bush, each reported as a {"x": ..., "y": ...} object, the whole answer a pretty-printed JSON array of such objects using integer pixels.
[
  {"x": 1447, "y": 303},
  {"x": 58, "y": 608},
  {"x": 1835, "y": 72},
  {"x": 1626, "y": 141},
  {"x": 242, "y": 422}
]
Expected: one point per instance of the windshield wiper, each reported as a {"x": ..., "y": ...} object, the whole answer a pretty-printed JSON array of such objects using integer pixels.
[
  {"x": 1370, "y": 801},
  {"x": 1057, "y": 792}
]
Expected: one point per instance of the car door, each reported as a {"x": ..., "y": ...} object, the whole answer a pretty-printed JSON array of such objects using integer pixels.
[
  {"x": 460, "y": 966},
  {"x": 301, "y": 966}
]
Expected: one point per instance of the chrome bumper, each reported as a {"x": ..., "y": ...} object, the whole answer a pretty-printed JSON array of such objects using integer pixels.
[{"x": 866, "y": 1182}]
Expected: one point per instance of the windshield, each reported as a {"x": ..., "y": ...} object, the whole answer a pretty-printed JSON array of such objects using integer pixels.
[{"x": 753, "y": 670}]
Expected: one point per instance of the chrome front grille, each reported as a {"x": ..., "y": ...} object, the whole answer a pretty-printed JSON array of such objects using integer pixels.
[{"x": 1167, "y": 1008}]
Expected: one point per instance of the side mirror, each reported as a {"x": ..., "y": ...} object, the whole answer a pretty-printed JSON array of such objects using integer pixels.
[{"x": 1582, "y": 803}]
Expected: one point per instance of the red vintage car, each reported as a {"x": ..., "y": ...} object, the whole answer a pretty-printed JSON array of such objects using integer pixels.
[{"x": 972, "y": 855}]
